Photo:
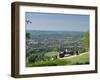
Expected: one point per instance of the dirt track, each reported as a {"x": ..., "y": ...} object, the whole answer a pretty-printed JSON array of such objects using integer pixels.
[{"x": 72, "y": 56}]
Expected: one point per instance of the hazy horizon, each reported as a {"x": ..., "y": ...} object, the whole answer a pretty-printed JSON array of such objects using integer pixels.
[{"x": 54, "y": 30}]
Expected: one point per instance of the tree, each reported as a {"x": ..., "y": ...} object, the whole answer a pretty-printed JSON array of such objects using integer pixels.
[
  {"x": 86, "y": 40},
  {"x": 27, "y": 35},
  {"x": 32, "y": 58},
  {"x": 28, "y": 22}
]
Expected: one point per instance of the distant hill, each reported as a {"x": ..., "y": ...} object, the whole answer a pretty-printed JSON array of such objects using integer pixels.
[{"x": 55, "y": 34}]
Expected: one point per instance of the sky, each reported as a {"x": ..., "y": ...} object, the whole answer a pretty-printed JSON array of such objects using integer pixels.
[{"x": 57, "y": 22}]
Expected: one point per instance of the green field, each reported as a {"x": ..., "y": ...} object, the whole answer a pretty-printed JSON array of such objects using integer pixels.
[
  {"x": 76, "y": 60},
  {"x": 50, "y": 54}
]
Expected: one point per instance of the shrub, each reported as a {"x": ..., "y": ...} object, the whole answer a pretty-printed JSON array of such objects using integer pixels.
[{"x": 32, "y": 58}]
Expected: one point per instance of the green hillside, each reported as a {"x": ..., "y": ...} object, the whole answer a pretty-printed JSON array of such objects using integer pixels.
[
  {"x": 83, "y": 58},
  {"x": 50, "y": 54}
]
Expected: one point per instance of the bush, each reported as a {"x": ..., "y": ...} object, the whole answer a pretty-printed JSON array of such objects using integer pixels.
[
  {"x": 32, "y": 58},
  {"x": 56, "y": 62}
]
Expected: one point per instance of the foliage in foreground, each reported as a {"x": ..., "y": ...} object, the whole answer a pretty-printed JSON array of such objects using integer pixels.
[{"x": 78, "y": 60}]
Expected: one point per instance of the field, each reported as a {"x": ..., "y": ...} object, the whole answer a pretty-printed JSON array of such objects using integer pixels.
[{"x": 83, "y": 58}]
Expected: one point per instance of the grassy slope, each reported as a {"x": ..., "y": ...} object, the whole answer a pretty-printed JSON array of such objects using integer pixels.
[
  {"x": 50, "y": 54},
  {"x": 81, "y": 59}
]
